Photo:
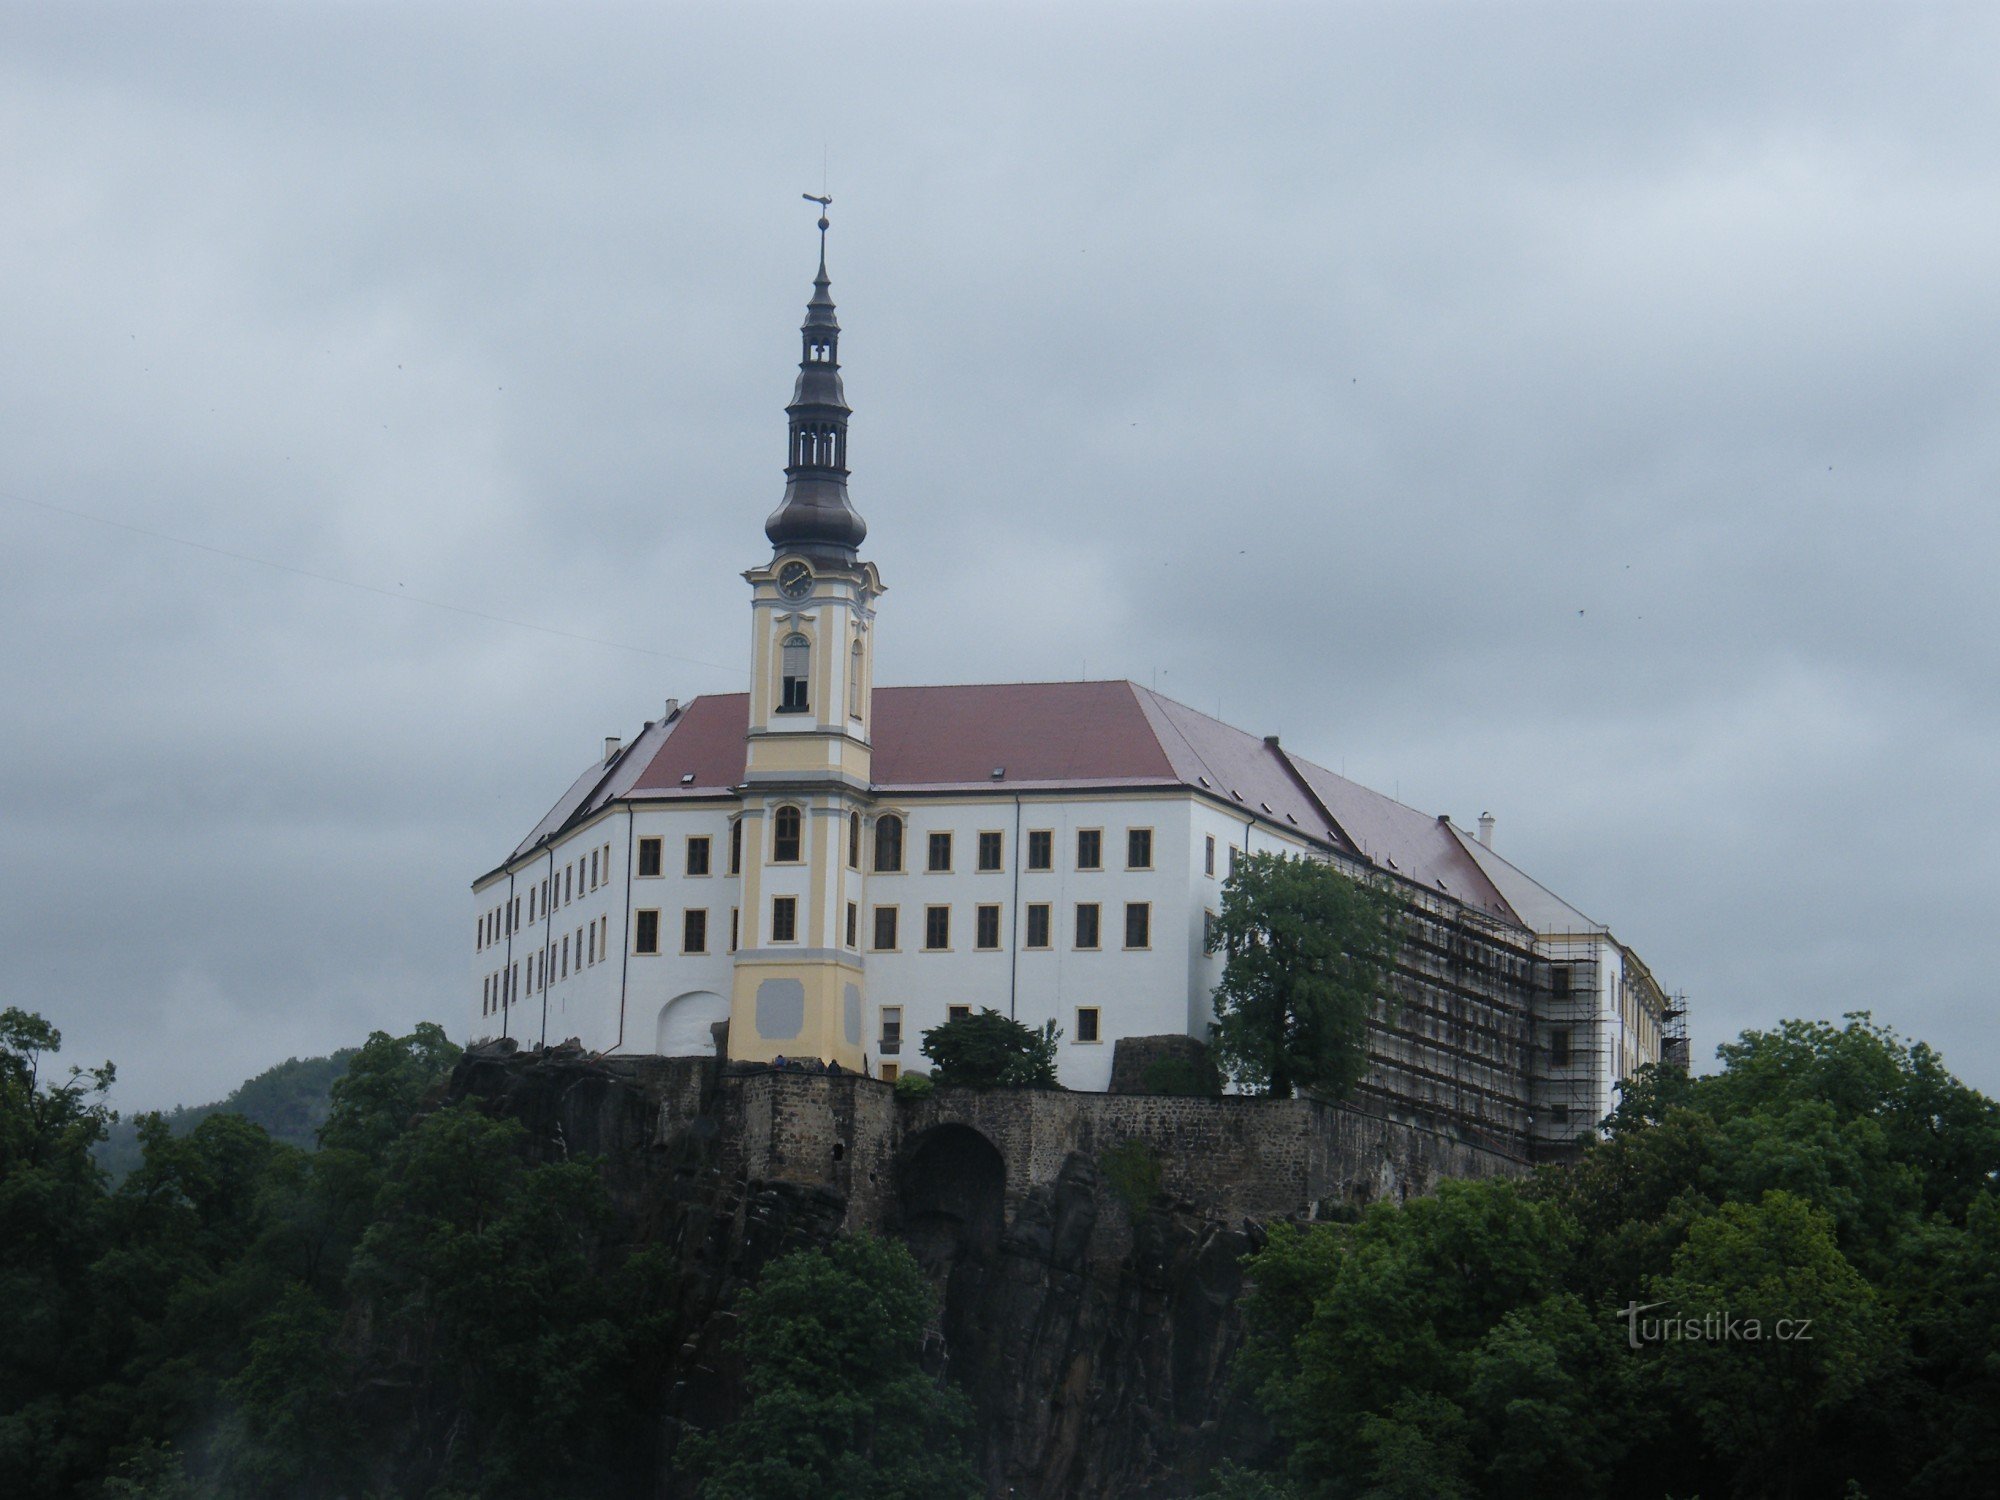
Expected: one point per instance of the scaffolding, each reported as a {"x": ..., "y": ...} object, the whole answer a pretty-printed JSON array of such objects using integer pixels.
[
  {"x": 1674, "y": 1048},
  {"x": 1451, "y": 1051},
  {"x": 1571, "y": 1068}
]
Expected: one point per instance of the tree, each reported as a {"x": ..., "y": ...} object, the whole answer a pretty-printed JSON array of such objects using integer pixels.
[
  {"x": 1613, "y": 1327},
  {"x": 1310, "y": 949},
  {"x": 987, "y": 1050},
  {"x": 840, "y": 1407},
  {"x": 385, "y": 1082}
]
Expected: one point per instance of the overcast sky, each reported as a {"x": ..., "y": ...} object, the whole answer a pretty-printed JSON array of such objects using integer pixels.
[{"x": 1585, "y": 413}]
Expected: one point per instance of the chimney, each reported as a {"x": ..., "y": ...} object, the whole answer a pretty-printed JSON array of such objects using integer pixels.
[
  {"x": 673, "y": 707},
  {"x": 1486, "y": 829},
  {"x": 611, "y": 746}
]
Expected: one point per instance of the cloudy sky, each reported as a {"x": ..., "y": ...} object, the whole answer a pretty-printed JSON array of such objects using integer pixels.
[{"x": 1584, "y": 413}]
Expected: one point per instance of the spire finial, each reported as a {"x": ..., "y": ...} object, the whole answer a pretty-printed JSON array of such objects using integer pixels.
[{"x": 824, "y": 203}]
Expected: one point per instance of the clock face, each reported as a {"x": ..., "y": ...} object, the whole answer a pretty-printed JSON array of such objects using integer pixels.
[{"x": 795, "y": 580}]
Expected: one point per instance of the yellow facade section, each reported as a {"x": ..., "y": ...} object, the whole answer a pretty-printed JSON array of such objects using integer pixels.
[{"x": 769, "y": 995}]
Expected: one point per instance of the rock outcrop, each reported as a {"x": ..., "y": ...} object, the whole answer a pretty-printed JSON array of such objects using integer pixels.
[{"x": 1089, "y": 1309}]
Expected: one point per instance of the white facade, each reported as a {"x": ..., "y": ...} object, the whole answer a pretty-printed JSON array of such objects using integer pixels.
[{"x": 620, "y": 999}]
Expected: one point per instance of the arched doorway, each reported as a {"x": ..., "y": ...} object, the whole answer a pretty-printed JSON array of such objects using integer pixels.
[
  {"x": 951, "y": 1193},
  {"x": 685, "y": 1022}
]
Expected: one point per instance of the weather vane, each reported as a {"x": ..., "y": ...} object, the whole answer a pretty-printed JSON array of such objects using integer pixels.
[{"x": 824, "y": 205}]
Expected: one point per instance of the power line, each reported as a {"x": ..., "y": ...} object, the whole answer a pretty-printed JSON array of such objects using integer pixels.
[{"x": 366, "y": 588}]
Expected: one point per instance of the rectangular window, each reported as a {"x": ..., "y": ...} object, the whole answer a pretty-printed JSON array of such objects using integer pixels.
[
  {"x": 1208, "y": 932},
  {"x": 645, "y": 932},
  {"x": 1559, "y": 1114},
  {"x": 516, "y": 918},
  {"x": 891, "y": 1044},
  {"x": 1234, "y": 854},
  {"x": 854, "y": 841},
  {"x": 988, "y": 922},
  {"x": 784, "y": 919},
  {"x": 697, "y": 854},
  {"x": 1559, "y": 979},
  {"x": 694, "y": 931},
  {"x": 1208, "y": 855},
  {"x": 1138, "y": 848},
  {"x": 957, "y": 1012},
  {"x": 796, "y": 660},
  {"x": 591, "y": 943},
  {"x": 853, "y": 925},
  {"x": 937, "y": 927},
  {"x": 1559, "y": 1047},
  {"x": 1086, "y": 924},
  {"x": 736, "y": 847},
  {"x": 1041, "y": 849},
  {"x": 1090, "y": 848},
  {"x": 940, "y": 852},
  {"x": 593, "y": 869},
  {"x": 569, "y": 876},
  {"x": 891, "y": 1072},
  {"x": 1038, "y": 924},
  {"x": 735, "y": 924},
  {"x": 885, "y": 927},
  {"x": 1089, "y": 1024},
  {"x": 989, "y": 851},
  {"x": 1138, "y": 924},
  {"x": 562, "y": 971}
]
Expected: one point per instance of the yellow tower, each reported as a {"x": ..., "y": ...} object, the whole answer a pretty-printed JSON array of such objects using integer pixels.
[{"x": 800, "y": 989}]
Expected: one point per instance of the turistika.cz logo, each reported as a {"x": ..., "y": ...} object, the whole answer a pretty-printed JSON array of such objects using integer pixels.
[{"x": 1708, "y": 1328}]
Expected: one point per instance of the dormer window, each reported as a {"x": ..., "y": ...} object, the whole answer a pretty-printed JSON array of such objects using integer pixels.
[{"x": 795, "y": 663}]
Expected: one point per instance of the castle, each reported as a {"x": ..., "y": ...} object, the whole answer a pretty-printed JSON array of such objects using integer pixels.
[{"x": 832, "y": 867}]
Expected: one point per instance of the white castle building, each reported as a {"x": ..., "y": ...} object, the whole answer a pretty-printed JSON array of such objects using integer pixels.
[{"x": 833, "y": 867}]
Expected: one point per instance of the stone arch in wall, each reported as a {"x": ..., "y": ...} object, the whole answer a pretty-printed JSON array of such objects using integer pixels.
[
  {"x": 683, "y": 1029},
  {"x": 951, "y": 1196}
]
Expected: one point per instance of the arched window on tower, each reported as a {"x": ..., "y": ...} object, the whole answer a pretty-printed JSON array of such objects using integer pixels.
[
  {"x": 854, "y": 681},
  {"x": 795, "y": 663},
  {"x": 785, "y": 835},
  {"x": 889, "y": 843}
]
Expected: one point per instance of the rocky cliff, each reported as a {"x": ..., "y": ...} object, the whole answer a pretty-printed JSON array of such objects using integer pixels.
[{"x": 1088, "y": 1248}]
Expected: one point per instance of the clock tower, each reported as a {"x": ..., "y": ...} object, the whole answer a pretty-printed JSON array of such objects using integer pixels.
[{"x": 799, "y": 987}]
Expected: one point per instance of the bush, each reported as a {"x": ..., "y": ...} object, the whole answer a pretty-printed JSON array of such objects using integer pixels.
[
  {"x": 1132, "y": 1170},
  {"x": 988, "y": 1050},
  {"x": 1182, "y": 1076},
  {"x": 915, "y": 1086}
]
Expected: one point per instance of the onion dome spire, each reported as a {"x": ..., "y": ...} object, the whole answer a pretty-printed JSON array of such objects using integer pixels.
[{"x": 815, "y": 516}]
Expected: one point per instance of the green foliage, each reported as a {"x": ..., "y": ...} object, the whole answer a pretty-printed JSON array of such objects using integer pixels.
[
  {"x": 1132, "y": 1170},
  {"x": 385, "y": 1082},
  {"x": 914, "y": 1086},
  {"x": 1485, "y": 1342},
  {"x": 289, "y": 1103},
  {"x": 413, "y": 1308},
  {"x": 987, "y": 1050},
  {"x": 1184, "y": 1077},
  {"x": 840, "y": 1407},
  {"x": 1310, "y": 950}
]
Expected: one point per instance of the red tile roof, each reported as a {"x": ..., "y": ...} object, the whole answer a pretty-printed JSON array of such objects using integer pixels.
[{"x": 1051, "y": 735}]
